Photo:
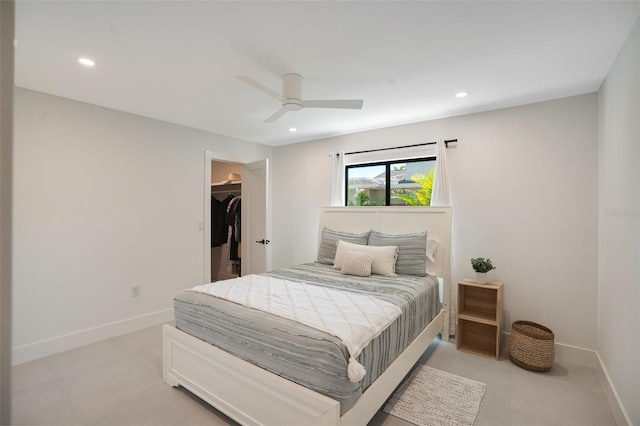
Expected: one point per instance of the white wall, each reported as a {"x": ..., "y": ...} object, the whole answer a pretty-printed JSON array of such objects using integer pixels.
[
  {"x": 524, "y": 182},
  {"x": 104, "y": 200},
  {"x": 619, "y": 280}
]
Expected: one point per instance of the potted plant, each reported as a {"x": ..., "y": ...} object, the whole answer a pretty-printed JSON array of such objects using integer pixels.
[{"x": 481, "y": 266}]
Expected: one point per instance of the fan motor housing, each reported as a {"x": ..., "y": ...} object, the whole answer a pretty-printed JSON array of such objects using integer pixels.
[
  {"x": 292, "y": 104},
  {"x": 292, "y": 86}
]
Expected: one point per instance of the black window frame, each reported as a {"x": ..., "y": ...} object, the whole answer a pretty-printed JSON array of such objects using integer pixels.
[{"x": 387, "y": 164}]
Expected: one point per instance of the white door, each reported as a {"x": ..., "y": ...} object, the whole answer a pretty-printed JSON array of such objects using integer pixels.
[{"x": 256, "y": 218}]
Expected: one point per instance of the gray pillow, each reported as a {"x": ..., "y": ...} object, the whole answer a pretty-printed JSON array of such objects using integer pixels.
[
  {"x": 412, "y": 255},
  {"x": 329, "y": 243}
]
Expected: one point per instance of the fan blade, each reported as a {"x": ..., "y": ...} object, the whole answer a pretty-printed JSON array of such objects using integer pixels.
[
  {"x": 348, "y": 104},
  {"x": 273, "y": 117},
  {"x": 251, "y": 82}
]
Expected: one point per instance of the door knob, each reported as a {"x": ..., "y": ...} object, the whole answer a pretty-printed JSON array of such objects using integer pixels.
[{"x": 263, "y": 241}]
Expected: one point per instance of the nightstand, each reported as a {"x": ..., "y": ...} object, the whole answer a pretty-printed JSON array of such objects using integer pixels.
[{"x": 480, "y": 318}]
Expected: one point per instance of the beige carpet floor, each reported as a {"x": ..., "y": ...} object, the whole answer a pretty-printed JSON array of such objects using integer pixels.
[{"x": 119, "y": 382}]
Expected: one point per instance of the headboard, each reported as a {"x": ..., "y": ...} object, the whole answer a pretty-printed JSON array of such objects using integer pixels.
[{"x": 397, "y": 220}]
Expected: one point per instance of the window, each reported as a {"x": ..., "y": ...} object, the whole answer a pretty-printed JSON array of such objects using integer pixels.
[{"x": 390, "y": 183}]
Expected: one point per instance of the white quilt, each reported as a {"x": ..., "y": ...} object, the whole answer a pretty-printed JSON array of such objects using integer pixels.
[{"x": 354, "y": 318}]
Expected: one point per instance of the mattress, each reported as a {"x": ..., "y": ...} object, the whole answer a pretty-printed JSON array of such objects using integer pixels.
[{"x": 305, "y": 355}]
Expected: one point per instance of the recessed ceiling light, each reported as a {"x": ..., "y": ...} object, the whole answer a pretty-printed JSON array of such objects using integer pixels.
[
  {"x": 461, "y": 94},
  {"x": 87, "y": 62},
  {"x": 293, "y": 129}
]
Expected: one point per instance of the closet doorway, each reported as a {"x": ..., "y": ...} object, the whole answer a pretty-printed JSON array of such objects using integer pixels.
[
  {"x": 226, "y": 228},
  {"x": 246, "y": 248}
]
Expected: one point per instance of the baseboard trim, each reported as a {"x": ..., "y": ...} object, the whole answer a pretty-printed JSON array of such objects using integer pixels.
[
  {"x": 564, "y": 353},
  {"x": 587, "y": 358},
  {"x": 31, "y": 351},
  {"x": 620, "y": 414},
  {"x": 576, "y": 355}
]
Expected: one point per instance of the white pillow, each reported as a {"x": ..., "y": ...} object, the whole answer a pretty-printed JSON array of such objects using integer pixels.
[
  {"x": 384, "y": 257},
  {"x": 356, "y": 264},
  {"x": 432, "y": 247}
]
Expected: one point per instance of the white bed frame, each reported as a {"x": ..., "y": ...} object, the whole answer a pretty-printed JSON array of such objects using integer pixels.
[{"x": 253, "y": 396}]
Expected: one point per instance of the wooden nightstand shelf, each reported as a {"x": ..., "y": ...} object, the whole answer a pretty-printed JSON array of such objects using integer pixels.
[{"x": 480, "y": 318}]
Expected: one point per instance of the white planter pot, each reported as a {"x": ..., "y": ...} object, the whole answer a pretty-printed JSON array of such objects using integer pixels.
[{"x": 481, "y": 277}]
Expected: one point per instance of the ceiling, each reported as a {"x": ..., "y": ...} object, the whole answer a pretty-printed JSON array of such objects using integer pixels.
[{"x": 176, "y": 60}]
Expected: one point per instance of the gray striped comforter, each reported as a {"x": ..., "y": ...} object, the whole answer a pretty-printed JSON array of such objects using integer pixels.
[{"x": 303, "y": 354}]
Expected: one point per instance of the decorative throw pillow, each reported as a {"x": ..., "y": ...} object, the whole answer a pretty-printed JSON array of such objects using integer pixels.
[
  {"x": 412, "y": 250},
  {"x": 329, "y": 243},
  {"x": 357, "y": 264},
  {"x": 432, "y": 247},
  {"x": 384, "y": 258}
]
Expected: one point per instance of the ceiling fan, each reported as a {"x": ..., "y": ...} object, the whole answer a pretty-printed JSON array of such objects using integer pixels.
[{"x": 291, "y": 97}]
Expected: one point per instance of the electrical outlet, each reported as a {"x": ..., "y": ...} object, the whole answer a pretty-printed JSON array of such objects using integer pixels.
[{"x": 135, "y": 291}]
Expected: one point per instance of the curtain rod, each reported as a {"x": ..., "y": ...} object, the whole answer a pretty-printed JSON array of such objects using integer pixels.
[{"x": 446, "y": 144}]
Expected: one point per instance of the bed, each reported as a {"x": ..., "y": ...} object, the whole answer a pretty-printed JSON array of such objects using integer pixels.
[{"x": 261, "y": 392}]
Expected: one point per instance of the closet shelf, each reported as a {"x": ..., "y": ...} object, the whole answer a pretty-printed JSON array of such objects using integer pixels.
[
  {"x": 219, "y": 188},
  {"x": 235, "y": 183}
]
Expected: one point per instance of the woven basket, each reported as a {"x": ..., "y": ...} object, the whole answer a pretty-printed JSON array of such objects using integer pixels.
[{"x": 531, "y": 346}]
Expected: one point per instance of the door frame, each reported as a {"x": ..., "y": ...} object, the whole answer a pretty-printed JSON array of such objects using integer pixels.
[
  {"x": 237, "y": 158},
  {"x": 210, "y": 156}
]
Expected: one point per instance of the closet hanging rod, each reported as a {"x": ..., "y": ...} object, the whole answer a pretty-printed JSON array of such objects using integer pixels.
[
  {"x": 231, "y": 191},
  {"x": 446, "y": 144}
]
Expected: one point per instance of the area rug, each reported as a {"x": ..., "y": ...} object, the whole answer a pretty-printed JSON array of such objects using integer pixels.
[{"x": 431, "y": 397}]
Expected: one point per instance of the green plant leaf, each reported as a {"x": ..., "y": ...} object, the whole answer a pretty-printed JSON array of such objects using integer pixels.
[
  {"x": 422, "y": 196},
  {"x": 480, "y": 264}
]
